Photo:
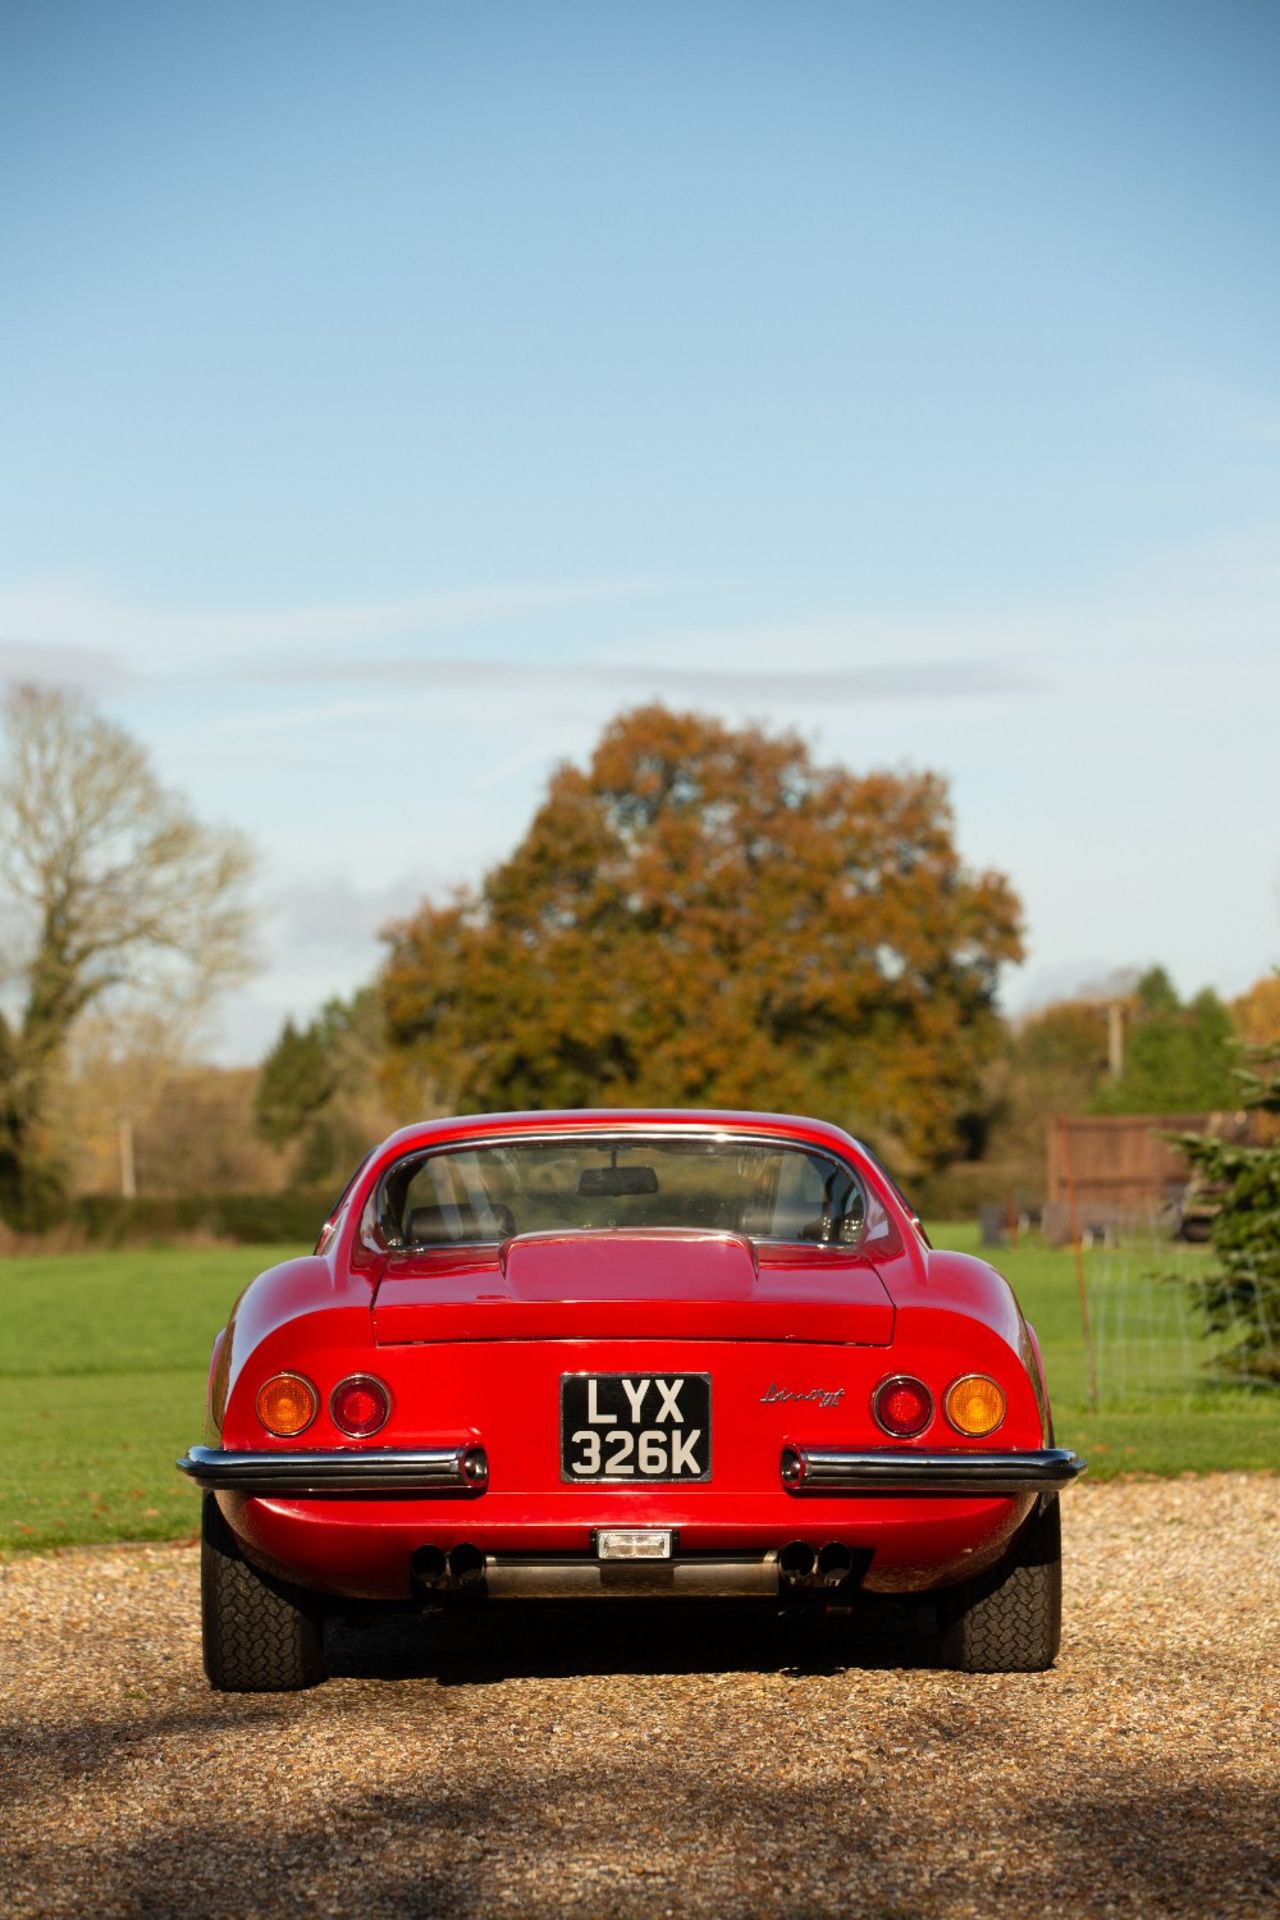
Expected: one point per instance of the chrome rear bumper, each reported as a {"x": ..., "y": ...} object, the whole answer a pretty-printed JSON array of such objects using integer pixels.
[
  {"x": 340, "y": 1470},
  {"x": 466, "y": 1469},
  {"x": 902, "y": 1470}
]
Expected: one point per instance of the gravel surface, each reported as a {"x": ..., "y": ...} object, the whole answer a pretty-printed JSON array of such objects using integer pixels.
[{"x": 630, "y": 1761}]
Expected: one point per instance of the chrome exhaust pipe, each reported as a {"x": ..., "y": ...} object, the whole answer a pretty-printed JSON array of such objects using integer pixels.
[
  {"x": 741, "y": 1575},
  {"x": 428, "y": 1568},
  {"x": 466, "y": 1565},
  {"x": 835, "y": 1564},
  {"x": 796, "y": 1561}
]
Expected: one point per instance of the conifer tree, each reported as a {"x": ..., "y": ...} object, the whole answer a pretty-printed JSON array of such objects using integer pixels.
[{"x": 1241, "y": 1295}]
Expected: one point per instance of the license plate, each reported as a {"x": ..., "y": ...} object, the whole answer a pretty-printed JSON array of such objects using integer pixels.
[{"x": 629, "y": 1429}]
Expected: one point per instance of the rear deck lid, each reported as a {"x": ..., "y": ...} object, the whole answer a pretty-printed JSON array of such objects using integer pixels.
[{"x": 634, "y": 1285}]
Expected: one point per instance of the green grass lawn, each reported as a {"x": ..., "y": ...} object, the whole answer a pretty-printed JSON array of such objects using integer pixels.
[
  {"x": 103, "y": 1360},
  {"x": 1162, "y": 1406}
]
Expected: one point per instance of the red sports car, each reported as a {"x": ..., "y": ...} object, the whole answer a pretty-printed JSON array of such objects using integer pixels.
[{"x": 598, "y": 1353}]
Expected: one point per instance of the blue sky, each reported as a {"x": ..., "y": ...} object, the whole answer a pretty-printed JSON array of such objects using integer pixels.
[{"x": 388, "y": 394}]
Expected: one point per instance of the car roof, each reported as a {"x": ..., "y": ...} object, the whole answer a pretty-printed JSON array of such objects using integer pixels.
[{"x": 570, "y": 1120}]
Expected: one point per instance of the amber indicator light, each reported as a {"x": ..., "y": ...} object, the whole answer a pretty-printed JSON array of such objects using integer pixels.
[
  {"x": 286, "y": 1404},
  {"x": 974, "y": 1405}
]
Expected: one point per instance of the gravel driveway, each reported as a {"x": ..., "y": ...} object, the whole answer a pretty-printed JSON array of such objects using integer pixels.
[{"x": 636, "y": 1762}]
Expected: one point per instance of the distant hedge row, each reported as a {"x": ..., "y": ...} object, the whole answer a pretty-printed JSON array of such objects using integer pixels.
[
  {"x": 261, "y": 1219},
  {"x": 296, "y": 1217},
  {"x": 962, "y": 1191}
]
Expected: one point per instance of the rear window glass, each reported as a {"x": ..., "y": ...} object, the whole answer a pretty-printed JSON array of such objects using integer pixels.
[{"x": 765, "y": 1190}]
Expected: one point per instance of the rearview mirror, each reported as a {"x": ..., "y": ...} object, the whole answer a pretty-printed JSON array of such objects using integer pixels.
[{"x": 616, "y": 1180}]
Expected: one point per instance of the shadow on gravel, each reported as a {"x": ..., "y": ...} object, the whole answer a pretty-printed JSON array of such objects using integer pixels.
[
  {"x": 641, "y": 1843},
  {"x": 558, "y": 1640},
  {"x": 726, "y": 1812},
  {"x": 481, "y": 1647},
  {"x": 40, "y": 1759},
  {"x": 1127, "y": 1846}
]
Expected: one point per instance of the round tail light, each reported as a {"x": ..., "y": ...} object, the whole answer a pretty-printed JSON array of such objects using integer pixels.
[
  {"x": 286, "y": 1404},
  {"x": 359, "y": 1405},
  {"x": 974, "y": 1405},
  {"x": 902, "y": 1406}
]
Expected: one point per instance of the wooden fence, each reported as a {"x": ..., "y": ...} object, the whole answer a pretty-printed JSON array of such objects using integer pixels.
[{"x": 1122, "y": 1166}]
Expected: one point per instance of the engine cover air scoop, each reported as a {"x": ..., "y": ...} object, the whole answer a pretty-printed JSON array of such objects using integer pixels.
[{"x": 671, "y": 1283}]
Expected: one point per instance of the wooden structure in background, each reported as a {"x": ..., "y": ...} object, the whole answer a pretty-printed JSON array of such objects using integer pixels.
[{"x": 1122, "y": 1167}]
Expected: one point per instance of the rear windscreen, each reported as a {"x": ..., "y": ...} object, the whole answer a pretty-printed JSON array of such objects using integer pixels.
[{"x": 765, "y": 1190}]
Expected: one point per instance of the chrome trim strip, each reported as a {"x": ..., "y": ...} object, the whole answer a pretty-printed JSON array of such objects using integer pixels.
[
  {"x": 377, "y": 1470},
  {"x": 903, "y": 1470}
]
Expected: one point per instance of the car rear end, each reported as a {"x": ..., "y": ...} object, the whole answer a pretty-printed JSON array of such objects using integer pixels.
[{"x": 644, "y": 1409}]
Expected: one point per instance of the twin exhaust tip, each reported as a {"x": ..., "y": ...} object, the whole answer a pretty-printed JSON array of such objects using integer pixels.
[
  {"x": 461, "y": 1567},
  {"x": 830, "y": 1566}
]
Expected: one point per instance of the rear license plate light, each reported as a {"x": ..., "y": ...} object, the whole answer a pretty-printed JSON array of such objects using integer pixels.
[{"x": 633, "y": 1543}]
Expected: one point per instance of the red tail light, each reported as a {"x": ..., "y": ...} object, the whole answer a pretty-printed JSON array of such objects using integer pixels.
[
  {"x": 359, "y": 1405},
  {"x": 902, "y": 1406}
]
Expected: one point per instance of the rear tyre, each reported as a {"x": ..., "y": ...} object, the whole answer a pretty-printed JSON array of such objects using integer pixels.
[
  {"x": 257, "y": 1639},
  {"x": 1009, "y": 1619}
]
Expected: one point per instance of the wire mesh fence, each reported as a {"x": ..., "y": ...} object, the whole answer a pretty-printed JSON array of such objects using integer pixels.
[
  {"x": 1147, "y": 1302},
  {"x": 1123, "y": 1329}
]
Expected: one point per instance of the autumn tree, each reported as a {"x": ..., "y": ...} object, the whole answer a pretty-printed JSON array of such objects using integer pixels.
[
  {"x": 110, "y": 889},
  {"x": 190, "y": 1124},
  {"x": 1257, "y": 1012},
  {"x": 707, "y": 917}
]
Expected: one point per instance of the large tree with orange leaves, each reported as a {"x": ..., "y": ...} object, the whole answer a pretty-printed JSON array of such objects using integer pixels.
[{"x": 706, "y": 917}]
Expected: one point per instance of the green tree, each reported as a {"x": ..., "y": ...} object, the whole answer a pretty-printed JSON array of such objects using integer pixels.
[
  {"x": 704, "y": 916},
  {"x": 110, "y": 891},
  {"x": 1178, "y": 1059},
  {"x": 294, "y": 1082},
  {"x": 1242, "y": 1294},
  {"x": 1051, "y": 1061},
  {"x": 319, "y": 1089}
]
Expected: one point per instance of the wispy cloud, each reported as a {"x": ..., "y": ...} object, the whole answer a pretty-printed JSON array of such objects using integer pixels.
[
  {"x": 112, "y": 637},
  {"x": 335, "y": 713},
  {"x": 935, "y": 679},
  {"x": 55, "y": 664},
  {"x": 514, "y": 763},
  {"x": 72, "y": 637},
  {"x": 330, "y": 913}
]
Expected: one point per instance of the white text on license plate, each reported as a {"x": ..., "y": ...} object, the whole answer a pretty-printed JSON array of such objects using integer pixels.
[{"x": 629, "y": 1427}]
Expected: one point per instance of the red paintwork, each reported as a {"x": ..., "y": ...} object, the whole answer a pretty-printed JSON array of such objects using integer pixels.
[
  {"x": 472, "y": 1343},
  {"x": 590, "y": 1286}
]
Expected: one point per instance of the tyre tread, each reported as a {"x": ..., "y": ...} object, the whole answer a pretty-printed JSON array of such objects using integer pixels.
[
  {"x": 257, "y": 1638},
  {"x": 1009, "y": 1619}
]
